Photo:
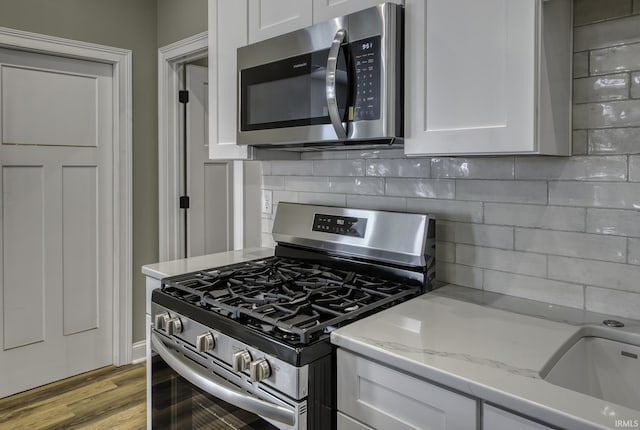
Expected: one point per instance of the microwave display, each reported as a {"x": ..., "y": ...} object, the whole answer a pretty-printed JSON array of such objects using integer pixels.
[{"x": 365, "y": 56}]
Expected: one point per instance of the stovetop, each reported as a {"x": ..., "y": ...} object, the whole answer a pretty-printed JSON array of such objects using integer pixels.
[{"x": 293, "y": 301}]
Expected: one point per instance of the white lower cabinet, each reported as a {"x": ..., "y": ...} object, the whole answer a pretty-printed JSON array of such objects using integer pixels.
[
  {"x": 498, "y": 419},
  {"x": 371, "y": 395}
]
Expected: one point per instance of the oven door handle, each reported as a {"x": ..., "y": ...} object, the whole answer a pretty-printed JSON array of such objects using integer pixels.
[
  {"x": 332, "y": 67},
  {"x": 206, "y": 381}
]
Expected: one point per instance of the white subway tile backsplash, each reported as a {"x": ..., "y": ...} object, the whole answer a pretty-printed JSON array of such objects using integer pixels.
[
  {"x": 266, "y": 168},
  {"x": 273, "y": 182},
  {"x": 634, "y": 168},
  {"x": 607, "y": 33},
  {"x": 338, "y": 167},
  {"x": 357, "y": 185},
  {"x": 581, "y": 64},
  {"x": 377, "y": 202},
  {"x": 328, "y": 199},
  {"x": 445, "y": 231},
  {"x": 472, "y": 168},
  {"x": 591, "y": 168},
  {"x": 460, "y": 275},
  {"x": 306, "y": 183},
  {"x": 614, "y": 141},
  {"x": 612, "y": 302},
  {"x": 430, "y": 188},
  {"x": 376, "y": 153},
  {"x": 616, "y": 59},
  {"x": 570, "y": 244},
  {"x": 611, "y": 114},
  {"x": 589, "y": 11},
  {"x": 601, "y": 88},
  {"x": 579, "y": 142},
  {"x": 323, "y": 155},
  {"x": 502, "y": 191},
  {"x": 595, "y": 194},
  {"x": 408, "y": 168},
  {"x": 445, "y": 252},
  {"x": 635, "y": 85},
  {"x": 285, "y": 196},
  {"x": 634, "y": 251},
  {"x": 291, "y": 167},
  {"x": 505, "y": 261},
  {"x": 452, "y": 210},
  {"x": 528, "y": 287},
  {"x": 536, "y": 216},
  {"x": 595, "y": 273},
  {"x": 491, "y": 236},
  {"x": 614, "y": 222}
]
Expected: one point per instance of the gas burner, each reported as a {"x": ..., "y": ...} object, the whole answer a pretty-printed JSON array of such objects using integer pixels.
[{"x": 287, "y": 298}]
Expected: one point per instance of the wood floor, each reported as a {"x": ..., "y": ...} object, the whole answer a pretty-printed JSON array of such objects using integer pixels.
[{"x": 107, "y": 398}]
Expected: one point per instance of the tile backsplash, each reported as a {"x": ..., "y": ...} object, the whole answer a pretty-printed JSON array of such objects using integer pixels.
[{"x": 564, "y": 230}]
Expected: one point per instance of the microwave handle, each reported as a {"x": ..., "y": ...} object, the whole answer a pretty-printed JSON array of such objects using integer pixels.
[
  {"x": 206, "y": 381},
  {"x": 332, "y": 65}
]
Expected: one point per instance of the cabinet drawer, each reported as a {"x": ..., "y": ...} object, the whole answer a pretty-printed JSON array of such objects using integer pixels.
[
  {"x": 499, "y": 419},
  {"x": 384, "y": 398}
]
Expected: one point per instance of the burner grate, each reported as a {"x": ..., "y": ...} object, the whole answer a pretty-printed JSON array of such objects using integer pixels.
[{"x": 294, "y": 300}]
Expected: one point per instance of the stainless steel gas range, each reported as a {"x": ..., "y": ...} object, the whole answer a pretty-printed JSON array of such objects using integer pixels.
[{"x": 246, "y": 346}]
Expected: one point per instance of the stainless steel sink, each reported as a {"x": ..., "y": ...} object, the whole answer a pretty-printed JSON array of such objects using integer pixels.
[{"x": 603, "y": 363}]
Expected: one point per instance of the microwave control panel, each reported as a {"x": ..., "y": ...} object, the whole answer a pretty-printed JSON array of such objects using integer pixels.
[{"x": 367, "y": 62}]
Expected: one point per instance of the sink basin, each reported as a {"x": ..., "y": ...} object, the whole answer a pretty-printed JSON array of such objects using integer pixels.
[{"x": 600, "y": 367}]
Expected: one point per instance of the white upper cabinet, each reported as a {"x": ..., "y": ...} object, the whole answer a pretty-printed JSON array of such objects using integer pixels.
[
  {"x": 488, "y": 77},
  {"x": 327, "y": 9},
  {"x": 227, "y": 32},
  {"x": 269, "y": 18}
]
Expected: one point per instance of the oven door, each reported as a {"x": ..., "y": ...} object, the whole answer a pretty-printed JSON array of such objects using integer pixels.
[
  {"x": 296, "y": 99},
  {"x": 189, "y": 392}
]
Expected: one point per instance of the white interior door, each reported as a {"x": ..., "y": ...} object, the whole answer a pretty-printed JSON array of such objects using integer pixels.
[
  {"x": 209, "y": 183},
  {"x": 56, "y": 209}
]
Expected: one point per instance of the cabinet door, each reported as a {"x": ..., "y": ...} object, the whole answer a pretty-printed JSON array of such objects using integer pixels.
[
  {"x": 269, "y": 18},
  {"x": 471, "y": 77},
  {"x": 227, "y": 32},
  {"x": 498, "y": 419},
  {"x": 327, "y": 9},
  {"x": 383, "y": 398}
]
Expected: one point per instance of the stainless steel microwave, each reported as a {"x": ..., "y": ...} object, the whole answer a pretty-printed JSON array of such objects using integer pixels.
[{"x": 336, "y": 83}]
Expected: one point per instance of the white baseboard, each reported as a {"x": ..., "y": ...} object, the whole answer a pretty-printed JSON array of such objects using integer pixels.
[{"x": 139, "y": 352}]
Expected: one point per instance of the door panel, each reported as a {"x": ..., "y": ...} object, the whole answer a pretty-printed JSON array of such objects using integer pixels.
[
  {"x": 65, "y": 105},
  {"x": 79, "y": 248},
  {"x": 209, "y": 223},
  {"x": 56, "y": 268},
  {"x": 22, "y": 252}
]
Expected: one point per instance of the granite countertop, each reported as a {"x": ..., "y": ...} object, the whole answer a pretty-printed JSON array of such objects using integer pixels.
[
  {"x": 191, "y": 264},
  {"x": 489, "y": 346}
]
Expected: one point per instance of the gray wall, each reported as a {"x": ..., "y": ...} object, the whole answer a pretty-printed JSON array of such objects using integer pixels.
[
  {"x": 123, "y": 24},
  {"x": 142, "y": 26},
  {"x": 565, "y": 230},
  {"x": 179, "y": 19}
]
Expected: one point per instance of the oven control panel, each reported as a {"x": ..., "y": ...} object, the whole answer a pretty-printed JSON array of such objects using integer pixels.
[{"x": 343, "y": 225}]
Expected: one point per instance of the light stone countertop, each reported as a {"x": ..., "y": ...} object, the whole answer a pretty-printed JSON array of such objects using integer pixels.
[
  {"x": 489, "y": 346},
  {"x": 186, "y": 265}
]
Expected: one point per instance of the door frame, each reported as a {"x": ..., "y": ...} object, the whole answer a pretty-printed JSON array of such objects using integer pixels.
[
  {"x": 120, "y": 59},
  {"x": 170, "y": 60}
]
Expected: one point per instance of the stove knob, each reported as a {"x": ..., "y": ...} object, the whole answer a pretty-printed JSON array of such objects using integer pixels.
[
  {"x": 241, "y": 360},
  {"x": 173, "y": 326},
  {"x": 259, "y": 370},
  {"x": 160, "y": 320},
  {"x": 205, "y": 342}
]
